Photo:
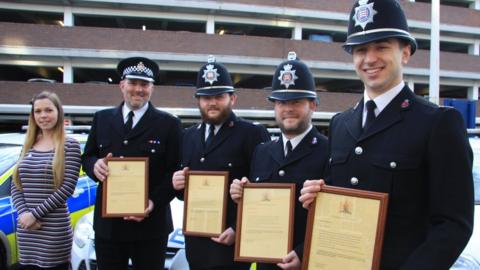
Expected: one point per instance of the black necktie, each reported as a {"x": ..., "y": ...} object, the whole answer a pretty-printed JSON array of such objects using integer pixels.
[
  {"x": 129, "y": 123},
  {"x": 289, "y": 149},
  {"x": 211, "y": 134},
  {"x": 370, "y": 114}
]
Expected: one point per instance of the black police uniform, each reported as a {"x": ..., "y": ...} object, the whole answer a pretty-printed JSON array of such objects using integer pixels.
[
  {"x": 416, "y": 152},
  {"x": 231, "y": 150},
  {"x": 308, "y": 160},
  {"x": 117, "y": 239}
]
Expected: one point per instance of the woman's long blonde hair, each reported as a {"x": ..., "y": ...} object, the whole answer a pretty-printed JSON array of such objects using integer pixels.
[{"x": 33, "y": 131}]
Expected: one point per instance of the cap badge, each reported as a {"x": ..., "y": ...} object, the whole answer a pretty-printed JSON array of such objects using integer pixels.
[
  {"x": 364, "y": 13},
  {"x": 140, "y": 66},
  {"x": 210, "y": 74},
  {"x": 287, "y": 76}
]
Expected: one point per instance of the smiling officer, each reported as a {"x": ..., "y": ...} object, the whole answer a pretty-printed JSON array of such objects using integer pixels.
[
  {"x": 395, "y": 142},
  {"x": 134, "y": 129}
]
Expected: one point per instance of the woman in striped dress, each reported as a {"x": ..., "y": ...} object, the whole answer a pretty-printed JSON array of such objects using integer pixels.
[{"x": 45, "y": 176}]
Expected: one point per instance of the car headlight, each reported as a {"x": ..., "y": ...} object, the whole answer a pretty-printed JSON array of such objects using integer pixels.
[{"x": 83, "y": 231}]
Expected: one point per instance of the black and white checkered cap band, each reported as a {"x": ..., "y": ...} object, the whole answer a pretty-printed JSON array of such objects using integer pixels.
[{"x": 135, "y": 69}]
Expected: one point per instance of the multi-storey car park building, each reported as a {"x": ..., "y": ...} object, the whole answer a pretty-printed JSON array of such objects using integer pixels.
[{"x": 76, "y": 44}]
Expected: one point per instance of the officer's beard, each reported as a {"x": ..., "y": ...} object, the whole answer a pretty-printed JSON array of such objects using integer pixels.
[
  {"x": 223, "y": 115},
  {"x": 302, "y": 125}
]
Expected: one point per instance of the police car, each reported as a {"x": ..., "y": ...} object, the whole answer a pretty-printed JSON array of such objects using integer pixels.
[
  {"x": 470, "y": 257},
  {"x": 81, "y": 202}
]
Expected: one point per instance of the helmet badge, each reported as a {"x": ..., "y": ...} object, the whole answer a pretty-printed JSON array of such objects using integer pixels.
[
  {"x": 287, "y": 76},
  {"x": 364, "y": 13},
  {"x": 210, "y": 74}
]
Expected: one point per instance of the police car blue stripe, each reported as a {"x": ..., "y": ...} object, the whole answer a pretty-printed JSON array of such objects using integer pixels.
[{"x": 7, "y": 216}]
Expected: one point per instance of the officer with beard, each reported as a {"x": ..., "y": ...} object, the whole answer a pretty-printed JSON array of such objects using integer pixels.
[
  {"x": 299, "y": 154},
  {"x": 222, "y": 142}
]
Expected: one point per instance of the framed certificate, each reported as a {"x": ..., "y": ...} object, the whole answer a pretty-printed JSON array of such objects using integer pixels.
[
  {"x": 205, "y": 203},
  {"x": 125, "y": 191},
  {"x": 265, "y": 222},
  {"x": 345, "y": 229}
]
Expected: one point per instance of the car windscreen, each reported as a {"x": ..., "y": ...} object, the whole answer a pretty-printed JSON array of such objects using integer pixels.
[{"x": 9, "y": 155}]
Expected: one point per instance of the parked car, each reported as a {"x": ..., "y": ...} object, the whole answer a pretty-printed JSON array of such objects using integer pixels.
[
  {"x": 83, "y": 250},
  {"x": 81, "y": 202},
  {"x": 470, "y": 257}
]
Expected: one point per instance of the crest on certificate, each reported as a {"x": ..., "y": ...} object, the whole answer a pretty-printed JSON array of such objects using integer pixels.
[
  {"x": 345, "y": 207},
  {"x": 266, "y": 196}
]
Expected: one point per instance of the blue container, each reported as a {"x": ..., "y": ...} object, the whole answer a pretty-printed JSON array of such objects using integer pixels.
[{"x": 468, "y": 109}]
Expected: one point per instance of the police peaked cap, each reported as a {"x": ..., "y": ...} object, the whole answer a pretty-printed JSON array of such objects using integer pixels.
[
  {"x": 372, "y": 20},
  {"x": 138, "y": 68},
  {"x": 292, "y": 80},
  {"x": 213, "y": 79}
]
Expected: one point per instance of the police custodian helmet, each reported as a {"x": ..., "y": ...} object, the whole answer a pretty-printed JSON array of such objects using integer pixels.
[
  {"x": 213, "y": 79},
  {"x": 372, "y": 20},
  {"x": 138, "y": 68},
  {"x": 292, "y": 80}
]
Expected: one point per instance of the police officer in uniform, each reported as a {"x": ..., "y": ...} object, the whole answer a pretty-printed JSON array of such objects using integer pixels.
[
  {"x": 299, "y": 154},
  {"x": 395, "y": 142},
  {"x": 222, "y": 142},
  {"x": 134, "y": 129}
]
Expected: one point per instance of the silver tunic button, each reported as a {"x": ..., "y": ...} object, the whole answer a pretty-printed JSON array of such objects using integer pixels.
[
  {"x": 125, "y": 142},
  {"x": 358, "y": 150},
  {"x": 153, "y": 151},
  {"x": 393, "y": 164},
  {"x": 256, "y": 179},
  {"x": 202, "y": 159},
  {"x": 229, "y": 164},
  {"x": 101, "y": 145},
  {"x": 281, "y": 172},
  {"x": 330, "y": 160},
  {"x": 354, "y": 181}
]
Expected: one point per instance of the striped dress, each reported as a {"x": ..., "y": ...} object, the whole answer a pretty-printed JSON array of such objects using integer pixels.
[{"x": 50, "y": 245}]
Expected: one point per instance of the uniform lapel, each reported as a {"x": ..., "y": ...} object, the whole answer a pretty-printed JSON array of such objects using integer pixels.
[
  {"x": 354, "y": 120},
  {"x": 118, "y": 123},
  {"x": 391, "y": 114},
  {"x": 225, "y": 131},
  {"x": 278, "y": 153},
  {"x": 304, "y": 147},
  {"x": 199, "y": 137},
  {"x": 144, "y": 122}
]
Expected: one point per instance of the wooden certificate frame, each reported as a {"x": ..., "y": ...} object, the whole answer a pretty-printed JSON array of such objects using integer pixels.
[
  {"x": 125, "y": 191},
  {"x": 265, "y": 217},
  {"x": 205, "y": 203},
  {"x": 345, "y": 229}
]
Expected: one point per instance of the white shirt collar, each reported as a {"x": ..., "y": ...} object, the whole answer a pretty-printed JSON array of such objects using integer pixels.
[
  {"x": 215, "y": 131},
  {"x": 295, "y": 140},
  {"x": 137, "y": 113},
  {"x": 382, "y": 100}
]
